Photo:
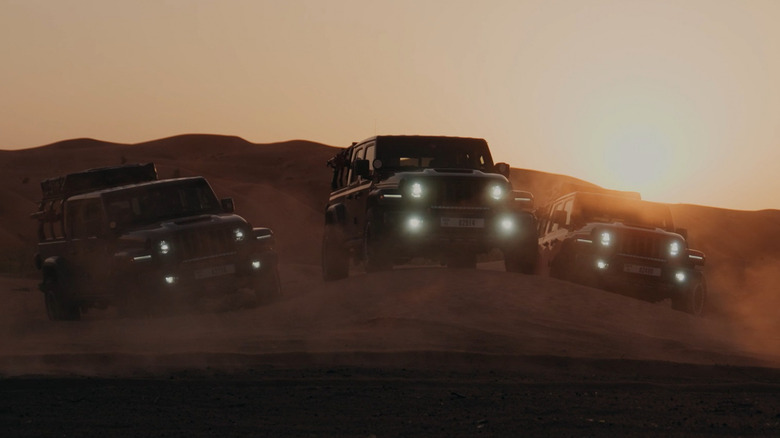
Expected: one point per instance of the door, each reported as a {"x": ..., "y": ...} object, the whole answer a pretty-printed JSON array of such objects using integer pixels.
[
  {"x": 88, "y": 260},
  {"x": 557, "y": 224}
]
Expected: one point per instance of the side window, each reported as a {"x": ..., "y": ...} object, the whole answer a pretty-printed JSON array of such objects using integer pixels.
[
  {"x": 567, "y": 206},
  {"x": 371, "y": 155},
  {"x": 553, "y": 226},
  {"x": 358, "y": 155},
  {"x": 84, "y": 218},
  {"x": 544, "y": 219}
]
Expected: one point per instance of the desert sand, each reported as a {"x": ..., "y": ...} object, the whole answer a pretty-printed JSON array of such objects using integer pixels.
[{"x": 418, "y": 351}]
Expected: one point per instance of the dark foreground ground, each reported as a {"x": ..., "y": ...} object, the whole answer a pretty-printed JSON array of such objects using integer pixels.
[{"x": 533, "y": 396}]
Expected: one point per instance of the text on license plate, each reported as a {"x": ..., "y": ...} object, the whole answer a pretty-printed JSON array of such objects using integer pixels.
[
  {"x": 463, "y": 222},
  {"x": 644, "y": 270},
  {"x": 215, "y": 271}
]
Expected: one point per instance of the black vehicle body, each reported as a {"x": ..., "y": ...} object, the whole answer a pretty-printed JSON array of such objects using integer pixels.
[
  {"x": 395, "y": 198},
  {"x": 621, "y": 244},
  {"x": 119, "y": 236}
]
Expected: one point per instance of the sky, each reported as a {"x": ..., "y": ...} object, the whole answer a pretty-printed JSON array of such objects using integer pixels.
[{"x": 678, "y": 100}]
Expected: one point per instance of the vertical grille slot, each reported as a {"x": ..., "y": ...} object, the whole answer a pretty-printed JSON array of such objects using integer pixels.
[
  {"x": 204, "y": 243},
  {"x": 642, "y": 245},
  {"x": 459, "y": 192}
]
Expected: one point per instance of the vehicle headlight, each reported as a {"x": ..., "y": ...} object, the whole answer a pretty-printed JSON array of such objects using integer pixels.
[
  {"x": 606, "y": 238},
  {"x": 496, "y": 192},
  {"x": 416, "y": 190},
  {"x": 239, "y": 234},
  {"x": 674, "y": 248},
  {"x": 163, "y": 247}
]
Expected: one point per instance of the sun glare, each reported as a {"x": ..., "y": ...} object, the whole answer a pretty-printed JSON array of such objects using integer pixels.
[{"x": 640, "y": 159}]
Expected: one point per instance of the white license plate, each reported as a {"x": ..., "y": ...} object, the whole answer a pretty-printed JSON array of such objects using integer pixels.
[
  {"x": 644, "y": 270},
  {"x": 462, "y": 222},
  {"x": 215, "y": 271}
]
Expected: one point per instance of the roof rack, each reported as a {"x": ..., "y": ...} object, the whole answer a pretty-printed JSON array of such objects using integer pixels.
[{"x": 96, "y": 179}]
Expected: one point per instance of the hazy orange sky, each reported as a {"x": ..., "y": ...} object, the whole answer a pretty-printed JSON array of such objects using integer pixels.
[{"x": 679, "y": 100}]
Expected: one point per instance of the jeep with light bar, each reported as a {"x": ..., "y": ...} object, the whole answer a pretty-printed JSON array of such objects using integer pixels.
[
  {"x": 120, "y": 236},
  {"x": 398, "y": 198},
  {"x": 622, "y": 244}
]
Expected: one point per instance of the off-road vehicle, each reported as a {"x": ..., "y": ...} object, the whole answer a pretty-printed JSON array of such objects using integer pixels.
[
  {"x": 398, "y": 198},
  {"x": 120, "y": 236},
  {"x": 623, "y": 244}
]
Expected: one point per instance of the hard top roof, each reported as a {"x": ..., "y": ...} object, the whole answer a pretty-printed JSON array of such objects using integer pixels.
[{"x": 126, "y": 187}]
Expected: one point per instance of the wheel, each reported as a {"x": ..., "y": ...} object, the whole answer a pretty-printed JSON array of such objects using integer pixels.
[
  {"x": 133, "y": 303},
  {"x": 692, "y": 299},
  {"x": 515, "y": 262},
  {"x": 375, "y": 252},
  {"x": 58, "y": 308},
  {"x": 268, "y": 287},
  {"x": 335, "y": 257},
  {"x": 462, "y": 261}
]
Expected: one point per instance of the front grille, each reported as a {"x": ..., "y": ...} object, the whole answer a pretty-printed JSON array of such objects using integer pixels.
[
  {"x": 201, "y": 243},
  {"x": 459, "y": 192},
  {"x": 640, "y": 244}
]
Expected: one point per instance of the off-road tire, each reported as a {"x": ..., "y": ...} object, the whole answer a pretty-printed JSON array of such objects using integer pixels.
[
  {"x": 515, "y": 262},
  {"x": 462, "y": 261},
  {"x": 335, "y": 257},
  {"x": 693, "y": 299},
  {"x": 375, "y": 252},
  {"x": 58, "y": 307},
  {"x": 268, "y": 287}
]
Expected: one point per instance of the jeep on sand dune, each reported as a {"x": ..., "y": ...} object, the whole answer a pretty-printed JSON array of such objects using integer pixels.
[
  {"x": 622, "y": 244},
  {"x": 395, "y": 198},
  {"x": 119, "y": 236}
]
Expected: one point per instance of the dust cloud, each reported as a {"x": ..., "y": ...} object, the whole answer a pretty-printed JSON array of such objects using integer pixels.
[{"x": 402, "y": 315}]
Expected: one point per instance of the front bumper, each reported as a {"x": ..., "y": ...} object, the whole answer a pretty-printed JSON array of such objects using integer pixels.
[
  {"x": 432, "y": 230},
  {"x": 206, "y": 277},
  {"x": 652, "y": 279}
]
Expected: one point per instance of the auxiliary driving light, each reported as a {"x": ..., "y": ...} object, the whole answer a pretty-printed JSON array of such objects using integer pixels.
[
  {"x": 496, "y": 192},
  {"x": 606, "y": 238},
  {"x": 680, "y": 276},
  {"x": 674, "y": 248},
  {"x": 601, "y": 264},
  {"x": 170, "y": 279},
  {"x": 507, "y": 224},
  {"x": 256, "y": 264},
  {"x": 414, "y": 223},
  {"x": 164, "y": 247},
  {"x": 417, "y": 190},
  {"x": 238, "y": 234}
]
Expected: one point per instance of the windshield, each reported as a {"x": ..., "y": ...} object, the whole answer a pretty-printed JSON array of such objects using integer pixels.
[
  {"x": 164, "y": 201},
  {"x": 628, "y": 211},
  {"x": 441, "y": 153}
]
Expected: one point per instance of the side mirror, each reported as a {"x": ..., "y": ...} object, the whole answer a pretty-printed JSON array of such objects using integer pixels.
[
  {"x": 696, "y": 257},
  {"x": 559, "y": 217},
  {"x": 683, "y": 232},
  {"x": 361, "y": 169},
  {"x": 263, "y": 235},
  {"x": 524, "y": 200},
  {"x": 503, "y": 169},
  {"x": 227, "y": 205}
]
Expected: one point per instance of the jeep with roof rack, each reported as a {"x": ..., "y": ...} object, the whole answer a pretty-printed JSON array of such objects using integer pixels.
[
  {"x": 623, "y": 244},
  {"x": 397, "y": 198},
  {"x": 120, "y": 236}
]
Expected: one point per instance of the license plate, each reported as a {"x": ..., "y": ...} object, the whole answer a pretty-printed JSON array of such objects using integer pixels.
[
  {"x": 644, "y": 270},
  {"x": 215, "y": 271},
  {"x": 462, "y": 222}
]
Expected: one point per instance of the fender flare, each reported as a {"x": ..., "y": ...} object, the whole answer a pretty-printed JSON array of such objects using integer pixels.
[
  {"x": 335, "y": 214},
  {"x": 54, "y": 267}
]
